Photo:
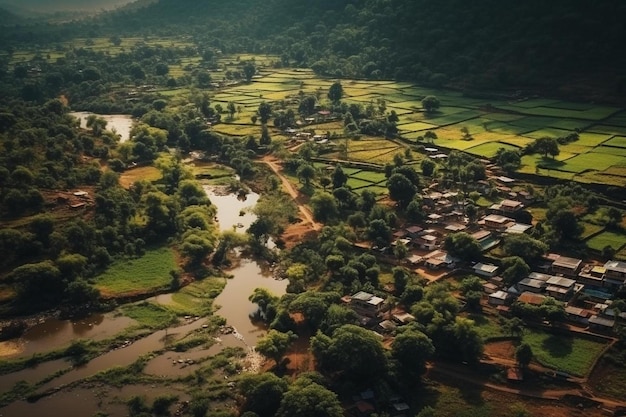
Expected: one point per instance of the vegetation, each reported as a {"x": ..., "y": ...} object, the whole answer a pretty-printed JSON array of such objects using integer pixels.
[{"x": 334, "y": 99}]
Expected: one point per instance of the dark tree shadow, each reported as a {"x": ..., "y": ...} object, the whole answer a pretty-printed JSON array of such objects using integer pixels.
[{"x": 558, "y": 346}]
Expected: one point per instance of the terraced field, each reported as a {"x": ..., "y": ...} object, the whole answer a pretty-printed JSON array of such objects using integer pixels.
[{"x": 599, "y": 156}]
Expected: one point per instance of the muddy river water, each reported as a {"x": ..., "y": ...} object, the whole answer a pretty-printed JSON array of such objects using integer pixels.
[
  {"x": 53, "y": 334},
  {"x": 118, "y": 123}
]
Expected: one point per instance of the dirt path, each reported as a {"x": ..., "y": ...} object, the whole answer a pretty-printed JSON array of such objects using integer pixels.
[{"x": 305, "y": 212}]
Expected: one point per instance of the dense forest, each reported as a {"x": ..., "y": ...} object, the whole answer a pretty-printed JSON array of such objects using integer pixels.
[{"x": 564, "y": 48}]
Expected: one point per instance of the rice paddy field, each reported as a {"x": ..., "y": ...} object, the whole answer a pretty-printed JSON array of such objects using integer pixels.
[{"x": 599, "y": 156}]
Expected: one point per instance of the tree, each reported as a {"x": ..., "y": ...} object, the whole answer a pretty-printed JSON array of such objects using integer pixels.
[
  {"x": 430, "y": 104},
  {"x": 309, "y": 400},
  {"x": 335, "y": 92},
  {"x": 352, "y": 351},
  {"x": 411, "y": 350},
  {"x": 428, "y": 167},
  {"x": 546, "y": 146},
  {"x": 324, "y": 207},
  {"x": 265, "y": 112},
  {"x": 430, "y": 136},
  {"x": 115, "y": 40},
  {"x": 266, "y": 139},
  {"x": 306, "y": 173},
  {"x": 508, "y": 159},
  {"x": 275, "y": 344},
  {"x": 514, "y": 269},
  {"x": 524, "y": 246},
  {"x": 197, "y": 244},
  {"x": 338, "y": 177},
  {"x": 400, "y": 279},
  {"x": 263, "y": 393},
  {"x": 249, "y": 69},
  {"x": 232, "y": 109},
  {"x": 523, "y": 355},
  {"x": 401, "y": 189},
  {"x": 463, "y": 246},
  {"x": 379, "y": 232}
]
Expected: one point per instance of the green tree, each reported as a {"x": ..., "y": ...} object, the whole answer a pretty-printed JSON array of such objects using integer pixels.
[
  {"x": 401, "y": 189},
  {"x": 524, "y": 246},
  {"x": 263, "y": 393},
  {"x": 352, "y": 351},
  {"x": 338, "y": 177},
  {"x": 546, "y": 146},
  {"x": 463, "y": 246},
  {"x": 265, "y": 112},
  {"x": 249, "y": 69},
  {"x": 411, "y": 350},
  {"x": 274, "y": 344},
  {"x": 335, "y": 92},
  {"x": 514, "y": 269},
  {"x": 324, "y": 207},
  {"x": 306, "y": 173},
  {"x": 310, "y": 400},
  {"x": 428, "y": 167},
  {"x": 430, "y": 104}
]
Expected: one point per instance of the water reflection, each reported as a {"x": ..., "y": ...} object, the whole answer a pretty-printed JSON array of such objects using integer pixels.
[{"x": 120, "y": 123}]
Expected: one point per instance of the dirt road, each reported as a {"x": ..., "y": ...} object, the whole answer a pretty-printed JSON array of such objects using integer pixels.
[{"x": 305, "y": 212}]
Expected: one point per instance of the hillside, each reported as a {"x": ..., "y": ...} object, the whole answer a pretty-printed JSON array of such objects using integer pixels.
[{"x": 565, "y": 48}]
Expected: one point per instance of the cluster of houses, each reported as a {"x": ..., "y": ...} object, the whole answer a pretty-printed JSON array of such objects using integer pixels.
[{"x": 585, "y": 289}]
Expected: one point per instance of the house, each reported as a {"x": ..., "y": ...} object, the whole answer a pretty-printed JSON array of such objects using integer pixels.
[
  {"x": 560, "y": 288},
  {"x": 615, "y": 273},
  {"x": 485, "y": 239},
  {"x": 490, "y": 287},
  {"x": 592, "y": 275},
  {"x": 439, "y": 258},
  {"x": 498, "y": 222},
  {"x": 485, "y": 270},
  {"x": 531, "y": 285},
  {"x": 413, "y": 231},
  {"x": 577, "y": 315},
  {"x": 498, "y": 298},
  {"x": 566, "y": 266},
  {"x": 415, "y": 259},
  {"x": 507, "y": 206},
  {"x": 518, "y": 228},
  {"x": 366, "y": 304},
  {"x": 601, "y": 324},
  {"x": 428, "y": 242}
]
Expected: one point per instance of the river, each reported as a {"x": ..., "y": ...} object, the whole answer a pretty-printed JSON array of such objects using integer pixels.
[
  {"x": 118, "y": 123},
  {"x": 233, "y": 304}
]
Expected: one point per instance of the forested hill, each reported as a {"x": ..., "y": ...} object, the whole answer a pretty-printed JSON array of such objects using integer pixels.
[{"x": 569, "y": 48}]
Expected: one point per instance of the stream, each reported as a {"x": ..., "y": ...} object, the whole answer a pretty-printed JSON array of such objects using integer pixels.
[{"x": 233, "y": 304}]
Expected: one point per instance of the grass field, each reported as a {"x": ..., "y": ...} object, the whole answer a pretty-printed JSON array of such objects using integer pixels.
[
  {"x": 148, "y": 173},
  {"x": 573, "y": 355},
  {"x": 130, "y": 276},
  {"x": 149, "y": 315},
  {"x": 606, "y": 238}
]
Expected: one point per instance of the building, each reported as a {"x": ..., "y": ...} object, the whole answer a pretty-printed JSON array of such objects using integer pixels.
[
  {"x": 428, "y": 242},
  {"x": 592, "y": 275},
  {"x": 507, "y": 206},
  {"x": 485, "y": 270},
  {"x": 485, "y": 239},
  {"x": 577, "y": 315},
  {"x": 560, "y": 288},
  {"x": 366, "y": 304},
  {"x": 498, "y": 298},
  {"x": 566, "y": 266},
  {"x": 615, "y": 273},
  {"x": 518, "y": 228},
  {"x": 531, "y": 285},
  {"x": 498, "y": 222},
  {"x": 440, "y": 259}
]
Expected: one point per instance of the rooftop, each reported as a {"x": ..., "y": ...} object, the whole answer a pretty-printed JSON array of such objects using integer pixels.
[
  {"x": 568, "y": 263},
  {"x": 531, "y": 298},
  {"x": 561, "y": 282},
  {"x": 497, "y": 218},
  {"x": 489, "y": 268},
  {"x": 616, "y": 266}
]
